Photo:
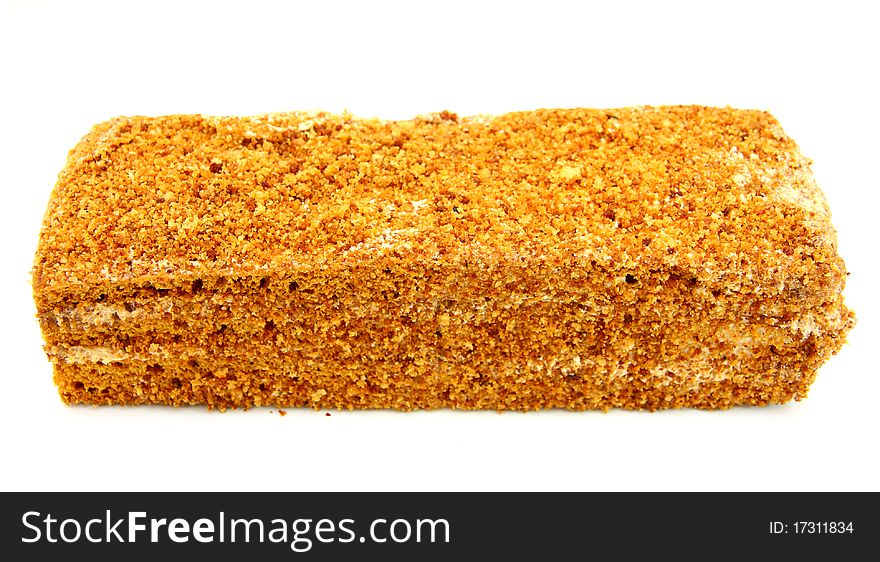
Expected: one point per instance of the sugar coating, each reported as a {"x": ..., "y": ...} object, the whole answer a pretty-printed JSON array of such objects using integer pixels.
[{"x": 637, "y": 257}]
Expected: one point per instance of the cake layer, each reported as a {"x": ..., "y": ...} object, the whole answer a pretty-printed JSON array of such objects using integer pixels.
[
  {"x": 553, "y": 258},
  {"x": 386, "y": 385},
  {"x": 497, "y": 295},
  {"x": 613, "y": 334}
]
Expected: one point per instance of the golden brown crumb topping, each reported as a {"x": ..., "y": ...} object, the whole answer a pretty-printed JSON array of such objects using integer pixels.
[{"x": 720, "y": 192}]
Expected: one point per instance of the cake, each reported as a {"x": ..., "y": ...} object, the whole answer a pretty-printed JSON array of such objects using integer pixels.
[{"x": 645, "y": 258}]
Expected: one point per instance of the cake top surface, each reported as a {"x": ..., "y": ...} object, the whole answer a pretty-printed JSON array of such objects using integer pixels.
[{"x": 707, "y": 190}]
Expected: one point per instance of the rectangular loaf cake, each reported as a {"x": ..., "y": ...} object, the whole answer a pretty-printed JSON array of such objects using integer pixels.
[{"x": 639, "y": 258}]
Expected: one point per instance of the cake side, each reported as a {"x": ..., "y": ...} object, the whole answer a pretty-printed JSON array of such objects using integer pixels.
[{"x": 664, "y": 329}]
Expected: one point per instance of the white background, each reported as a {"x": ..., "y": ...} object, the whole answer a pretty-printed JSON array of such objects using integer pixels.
[{"x": 69, "y": 65}]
